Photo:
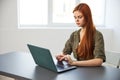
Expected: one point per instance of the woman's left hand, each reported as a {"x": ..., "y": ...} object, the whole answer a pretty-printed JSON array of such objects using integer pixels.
[{"x": 68, "y": 59}]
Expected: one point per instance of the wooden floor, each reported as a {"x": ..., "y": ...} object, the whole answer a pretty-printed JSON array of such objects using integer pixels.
[{"x": 5, "y": 78}]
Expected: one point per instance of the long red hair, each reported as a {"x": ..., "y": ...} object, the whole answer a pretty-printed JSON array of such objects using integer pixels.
[{"x": 86, "y": 47}]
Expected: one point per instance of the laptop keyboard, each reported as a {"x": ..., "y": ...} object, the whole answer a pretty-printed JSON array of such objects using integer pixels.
[{"x": 62, "y": 65}]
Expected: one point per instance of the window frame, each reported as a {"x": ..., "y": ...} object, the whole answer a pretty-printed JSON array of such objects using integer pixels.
[{"x": 50, "y": 24}]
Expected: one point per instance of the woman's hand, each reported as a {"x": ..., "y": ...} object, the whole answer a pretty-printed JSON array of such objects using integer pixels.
[
  {"x": 60, "y": 57},
  {"x": 68, "y": 59}
]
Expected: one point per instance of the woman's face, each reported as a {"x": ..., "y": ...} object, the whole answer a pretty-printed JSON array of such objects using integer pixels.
[{"x": 79, "y": 18}]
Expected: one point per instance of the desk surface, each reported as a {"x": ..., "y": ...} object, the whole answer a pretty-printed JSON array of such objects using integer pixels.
[{"x": 22, "y": 66}]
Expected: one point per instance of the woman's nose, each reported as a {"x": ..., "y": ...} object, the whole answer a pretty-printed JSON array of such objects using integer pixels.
[{"x": 76, "y": 20}]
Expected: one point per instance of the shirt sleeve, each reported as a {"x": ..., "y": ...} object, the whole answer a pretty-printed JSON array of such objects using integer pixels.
[
  {"x": 68, "y": 45},
  {"x": 99, "y": 51}
]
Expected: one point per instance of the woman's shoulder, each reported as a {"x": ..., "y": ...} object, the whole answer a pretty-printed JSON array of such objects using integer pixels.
[
  {"x": 98, "y": 32},
  {"x": 76, "y": 32}
]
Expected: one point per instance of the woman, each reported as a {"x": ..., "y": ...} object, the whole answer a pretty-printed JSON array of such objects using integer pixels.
[{"x": 87, "y": 43}]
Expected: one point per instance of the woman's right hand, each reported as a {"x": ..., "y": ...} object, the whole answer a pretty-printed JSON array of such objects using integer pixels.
[{"x": 60, "y": 57}]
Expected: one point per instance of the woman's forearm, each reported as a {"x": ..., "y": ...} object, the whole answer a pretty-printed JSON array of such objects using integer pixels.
[{"x": 92, "y": 62}]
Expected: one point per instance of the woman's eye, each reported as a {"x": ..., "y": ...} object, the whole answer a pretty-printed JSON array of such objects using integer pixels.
[
  {"x": 79, "y": 17},
  {"x": 74, "y": 17}
]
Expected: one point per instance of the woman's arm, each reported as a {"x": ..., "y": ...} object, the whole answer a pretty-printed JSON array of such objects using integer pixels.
[{"x": 91, "y": 62}]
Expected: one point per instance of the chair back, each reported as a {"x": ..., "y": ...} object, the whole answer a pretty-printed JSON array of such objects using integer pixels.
[{"x": 113, "y": 58}]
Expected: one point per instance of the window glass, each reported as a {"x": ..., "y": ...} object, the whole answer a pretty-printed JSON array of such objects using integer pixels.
[
  {"x": 98, "y": 10},
  {"x": 62, "y": 11},
  {"x": 44, "y": 14},
  {"x": 33, "y": 12}
]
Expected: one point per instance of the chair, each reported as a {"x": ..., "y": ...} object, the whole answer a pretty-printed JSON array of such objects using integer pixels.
[{"x": 112, "y": 59}]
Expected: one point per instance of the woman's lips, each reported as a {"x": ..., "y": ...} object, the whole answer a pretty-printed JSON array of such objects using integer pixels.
[{"x": 78, "y": 23}]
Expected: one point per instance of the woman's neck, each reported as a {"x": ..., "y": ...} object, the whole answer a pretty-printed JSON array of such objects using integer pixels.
[{"x": 83, "y": 30}]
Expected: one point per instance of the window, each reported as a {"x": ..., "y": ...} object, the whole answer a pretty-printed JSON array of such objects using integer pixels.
[
  {"x": 55, "y": 13},
  {"x": 98, "y": 10},
  {"x": 62, "y": 11},
  {"x": 33, "y": 12}
]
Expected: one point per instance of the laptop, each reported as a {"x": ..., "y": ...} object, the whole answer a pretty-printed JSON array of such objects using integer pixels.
[{"x": 43, "y": 58}]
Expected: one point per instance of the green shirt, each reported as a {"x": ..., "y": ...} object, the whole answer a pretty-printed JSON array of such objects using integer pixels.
[{"x": 74, "y": 40}]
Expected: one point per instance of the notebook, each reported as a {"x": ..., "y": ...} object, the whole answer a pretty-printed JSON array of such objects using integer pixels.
[{"x": 43, "y": 58}]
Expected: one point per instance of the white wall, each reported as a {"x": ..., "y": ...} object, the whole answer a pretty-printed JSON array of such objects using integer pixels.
[
  {"x": 14, "y": 39},
  {"x": 113, "y": 19}
]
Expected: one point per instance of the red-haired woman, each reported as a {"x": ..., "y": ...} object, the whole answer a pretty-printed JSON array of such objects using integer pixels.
[{"x": 87, "y": 43}]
